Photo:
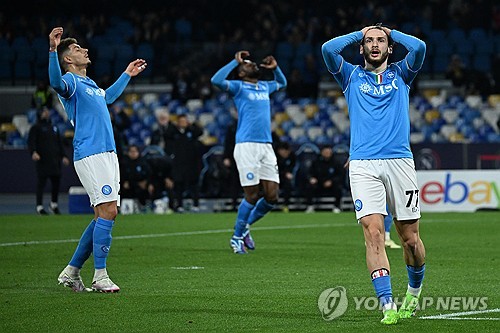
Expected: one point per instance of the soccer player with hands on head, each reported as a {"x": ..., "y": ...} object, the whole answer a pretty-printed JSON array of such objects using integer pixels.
[
  {"x": 253, "y": 152},
  {"x": 381, "y": 166},
  {"x": 95, "y": 158}
]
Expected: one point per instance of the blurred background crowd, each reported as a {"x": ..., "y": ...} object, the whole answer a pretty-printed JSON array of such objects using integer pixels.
[{"x": 455, "y": 99}]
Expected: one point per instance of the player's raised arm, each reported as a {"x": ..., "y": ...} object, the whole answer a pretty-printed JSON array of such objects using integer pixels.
[
  {"x": 55, "y": 75},
  {"x": 116, "y": 89},
  {"x": 270, "y": 62},
  {"x": 331, "y": 50},
  {"x": 416, "y": 48},
  {"x": 219, "y": 78}
]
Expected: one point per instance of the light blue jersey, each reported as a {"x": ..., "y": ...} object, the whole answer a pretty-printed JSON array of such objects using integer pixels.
[
  {"x": 86, "y": 106},
  {"x": 378, "y": 103},
  {"x": 252, "y": 102}
]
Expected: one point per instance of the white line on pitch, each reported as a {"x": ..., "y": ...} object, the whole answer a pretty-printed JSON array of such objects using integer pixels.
[
  {"x": 457, "y": 315},
  {"x": 183, "y": 233}
]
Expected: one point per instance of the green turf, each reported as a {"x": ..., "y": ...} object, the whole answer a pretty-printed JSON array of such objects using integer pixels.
[{"x": 273, "y": 289}]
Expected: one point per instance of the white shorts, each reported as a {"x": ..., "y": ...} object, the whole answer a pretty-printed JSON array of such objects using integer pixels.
[
  {"x": 100, "y": 176},
  {"x": 256, "y": 161},
  {"x": 377, "y": 182}
]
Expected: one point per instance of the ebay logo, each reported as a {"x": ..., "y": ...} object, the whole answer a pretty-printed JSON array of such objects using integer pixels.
[{"x": 456, "y": 190}]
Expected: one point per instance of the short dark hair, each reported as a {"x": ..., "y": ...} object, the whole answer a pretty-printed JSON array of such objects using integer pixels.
[
  {"x": 62, "y": 48},
  {"x": 379, "y": 27}
]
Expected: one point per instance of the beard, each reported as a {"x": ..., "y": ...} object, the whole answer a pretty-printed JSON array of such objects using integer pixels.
[
  {"x": 375, "y": 62},
  {"x": 253, "y": 74}
]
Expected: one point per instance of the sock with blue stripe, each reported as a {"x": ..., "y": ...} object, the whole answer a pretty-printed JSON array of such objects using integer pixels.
[
  {"x": 382, "y": 283},
  {"x": 84, "y": 248},
  {"x": 262, "y": 207},
  {"x": 415, "y": 278},
  {"x": 102, "y": 241},
  {"x": 242, "y": 217}
]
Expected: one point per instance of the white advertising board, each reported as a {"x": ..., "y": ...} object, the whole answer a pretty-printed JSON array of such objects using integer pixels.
[{"x": 458, "y": 190}]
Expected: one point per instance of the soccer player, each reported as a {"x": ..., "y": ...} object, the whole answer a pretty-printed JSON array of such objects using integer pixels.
[
  {"x": 95, "y": 158},
  {"x": 381, "y": 166},
  {"x": 253, "y": 152}
]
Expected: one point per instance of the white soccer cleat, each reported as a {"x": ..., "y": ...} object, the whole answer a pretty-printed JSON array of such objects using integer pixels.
[
  {"x": 309, "y": 209},
  {"x": 72, "y": 281},
  {"x": 391, "y": 244},
  {"x": 104, "y": 285}
]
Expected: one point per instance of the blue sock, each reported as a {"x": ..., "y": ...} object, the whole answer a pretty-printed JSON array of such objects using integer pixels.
[
  {"x": 241, "y": 219},
  {"x": 102, "y": 241},
  {"x": 84, "y": 248},
  {"x": 262, "y": 207},
  {"x": 388, "y": 222},
  {"x": 382, "y": 283},
  {"x": 415, "y": 275}
]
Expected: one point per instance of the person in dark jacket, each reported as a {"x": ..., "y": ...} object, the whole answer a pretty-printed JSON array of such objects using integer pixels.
[
  {"x": 161, "y": 183},
  {"x": 135, "y": 176},
  {"x": 326, "y": 179},
  {"x": 233, "y": 186},
  {"x": 46, "y": 149},
  {"x": 286, "y": 165},
  {"x": 183, "y": 138}
]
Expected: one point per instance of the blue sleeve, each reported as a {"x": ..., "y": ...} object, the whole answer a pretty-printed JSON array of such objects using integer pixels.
[
  {"x": 280, "y": 78},
  {"x": 416, "y": 49},
  {"x": 279, "y": 81},
  {"x": 331, "y": 50},
  {"x": 117, "y": 88},
  {"x": 55, "y": 76},
  {"x": 219, "y": 78}
]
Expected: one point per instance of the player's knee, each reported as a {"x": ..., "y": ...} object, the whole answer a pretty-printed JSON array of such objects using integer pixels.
[
  {"x": 108, "y": 212},
  {"x": 252, "y": 197},
  {"x": 272, "y": 198},
  {"x": 410, "y": 241}
]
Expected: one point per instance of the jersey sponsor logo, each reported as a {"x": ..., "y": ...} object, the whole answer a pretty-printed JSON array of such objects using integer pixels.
[
  {"x": 358, "y": 205},
  {"x": 106, "y": 190},
  {"x": 97, "y": 92},
  {"x": 100, "y": 92},
  {"x": 258, "y": 96},
  {"x": 89, "y": 91},
  {"x": 366, "y": 88},
  {"x": 250, "y": 176}
]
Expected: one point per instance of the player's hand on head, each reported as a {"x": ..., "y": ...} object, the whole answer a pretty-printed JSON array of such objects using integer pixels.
[
  {"x": 241, "y": 55},
  {"x": 136, "y": 67},
  {"x": 365, "y": 29},
  {"x": 269, "y": 62}
]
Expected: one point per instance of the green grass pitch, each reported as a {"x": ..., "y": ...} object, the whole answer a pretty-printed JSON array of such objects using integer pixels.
[{"x": 178, "y": 274}]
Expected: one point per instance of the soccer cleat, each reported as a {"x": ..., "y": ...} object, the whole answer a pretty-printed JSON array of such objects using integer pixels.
[
  {"x": 41, "y": 211},
  {"x": 309, "y": 209},
  {"x": 248, "y": 240},
  {"x": 104, "y": 285},
  {"x": 409, "y": 306},
  {"x": 238, "y": 245},
  {"x": 55, "y": 211},
  {"x": 391, "y": 244},
  {"x": 73, "y": 282},
  {"x": 336, "y": 210},
  {"x": 390, "y": 317}
]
